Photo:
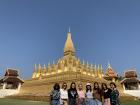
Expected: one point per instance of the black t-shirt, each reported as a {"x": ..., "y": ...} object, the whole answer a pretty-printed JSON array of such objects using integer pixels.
[
  {"x": 106, "y": 93},
  {"x": 72, "y": 93}
]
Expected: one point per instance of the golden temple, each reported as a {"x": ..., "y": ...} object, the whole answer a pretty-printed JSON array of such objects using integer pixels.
[{"x": 68, "y": 67}]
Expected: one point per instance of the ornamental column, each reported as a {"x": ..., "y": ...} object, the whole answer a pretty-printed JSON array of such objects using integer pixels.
[
  {"x": 19, "y": 86},
  {"x": 4, "y": 85}
]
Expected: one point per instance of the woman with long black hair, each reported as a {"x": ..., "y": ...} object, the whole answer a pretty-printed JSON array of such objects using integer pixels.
[
  {"x": 72, "y": 94},
  {"x": 97, "y": 93},
  {"x": 106, "y": 94}
]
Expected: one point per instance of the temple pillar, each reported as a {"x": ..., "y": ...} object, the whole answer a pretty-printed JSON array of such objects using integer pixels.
[
  {"x": 19, "y": 86},
  {"x": 4, "y": 85},
  {"x": 139, "y": 86},
  {"x": 113, "y": 79},
  {"x": 123, "y": 86}
]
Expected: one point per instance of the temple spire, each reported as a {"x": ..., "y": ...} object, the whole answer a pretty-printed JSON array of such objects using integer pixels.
[
  {"x": 69, "y": 29},
  {"x": 109, "y": 66},
  {"x": 35, "y": 68},
  {"x": 69, "y": 47}
]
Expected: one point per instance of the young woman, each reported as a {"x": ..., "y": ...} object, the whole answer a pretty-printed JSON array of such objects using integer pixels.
[
  {"x": 97, "y": 93},
  {"x": 72, "y": 94},
  {"x": 55, "y": 95},
  {"x": 64, "y": 94},
  {"x": 81, "y": 95},
  {"x": 89, "y": 95},
  {"x": 106, "y": 94},
  {"x": 114, "y": 96}
]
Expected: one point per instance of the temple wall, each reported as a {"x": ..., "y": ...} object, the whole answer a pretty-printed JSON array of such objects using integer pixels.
[{"x": 44, "y": 86}]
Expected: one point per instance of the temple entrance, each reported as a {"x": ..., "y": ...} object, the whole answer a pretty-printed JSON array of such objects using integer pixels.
[{"x": 11, "y": 85}]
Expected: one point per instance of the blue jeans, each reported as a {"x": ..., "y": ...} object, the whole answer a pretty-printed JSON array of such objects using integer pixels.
[
  {"x": 98, "y": 102},
  {"x": 55, "y": 102},
  {"x": 72, "y": 101},
  {"x": 90, "y": 102}
]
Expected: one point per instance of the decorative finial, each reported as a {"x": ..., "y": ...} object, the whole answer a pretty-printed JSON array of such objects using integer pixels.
[
  {"x": 39, "y": 66},
  {"x": 109, "y": 64},
  {"x": 98, "y": 67},
  {"x": 91, "y": 65},
  {"x": 48, "y": 63},
  {"x": 35, "y": 67},
  {"x": 53, "y": 62},
  {"x": 44, "y": 66},
  {"x": 83, "y": 62},
  {"x": 101, "y": 67},
  {"x": 69, "y": 29},
  {"x": 87, "y": 64}
]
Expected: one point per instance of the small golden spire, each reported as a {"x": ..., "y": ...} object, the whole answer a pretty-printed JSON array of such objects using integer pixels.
[
  {"x": 39, "y": 68},
  {"x": 91, "y": 66},
  {"x": 35, "y": 71},
  {"x": 95, "y": 67},
  {"x": 53, "y": 62},
  {"x": 35, "y": 68},
  {"x": 87, "y": 64},
  {"x": 69, "y": 29},
  {"x": 83, "y": 62},
  {"x": 48, "y": 63},
  {"x": 45, "y": 68},
  {"x": 101, "y": 67},
  {"x": 98, "y": 67}
]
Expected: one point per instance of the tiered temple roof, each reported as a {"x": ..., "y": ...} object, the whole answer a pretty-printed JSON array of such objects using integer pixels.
[
  {"x": 11, "y": 75},
  {"x": 130, "y": 76},
  {"x": 110, "y": 73}
]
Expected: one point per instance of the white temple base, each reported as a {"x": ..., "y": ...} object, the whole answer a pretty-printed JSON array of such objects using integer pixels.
[
  {"x": 135, "y": 93},
  {"x": 7, "y": 92}
]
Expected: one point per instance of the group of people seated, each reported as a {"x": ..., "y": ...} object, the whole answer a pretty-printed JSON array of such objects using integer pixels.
[{"x": 99, "y": 94}]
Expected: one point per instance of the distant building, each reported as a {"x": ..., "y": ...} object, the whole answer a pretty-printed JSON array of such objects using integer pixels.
[
  {"x": 11, "y": 80},
  {"x": 130, "y": 81}
]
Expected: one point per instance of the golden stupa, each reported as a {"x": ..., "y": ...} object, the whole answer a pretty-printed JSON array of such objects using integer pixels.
[
  {"x": 67, "y": 69},
  {"x": 68, "y": 66}
]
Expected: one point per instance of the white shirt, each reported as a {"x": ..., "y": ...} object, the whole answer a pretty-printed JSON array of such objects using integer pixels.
[
  {"x": 89, "y": 94},
  {"x": 63, "y": 94}
]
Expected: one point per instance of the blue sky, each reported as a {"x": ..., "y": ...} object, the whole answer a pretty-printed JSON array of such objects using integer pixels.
[{"x": 34, "y": 31}]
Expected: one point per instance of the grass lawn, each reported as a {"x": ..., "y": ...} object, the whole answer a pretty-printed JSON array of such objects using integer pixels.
[
  {"x": 131, "y": 103},
  {"x": 124, "y": 101},
  {"x": 21, "y": 102}
]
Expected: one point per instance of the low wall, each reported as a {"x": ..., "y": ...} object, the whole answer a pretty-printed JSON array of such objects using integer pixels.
[
  {"x": 135, "y": 93},
  {"x": 31, "y": 97}
]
